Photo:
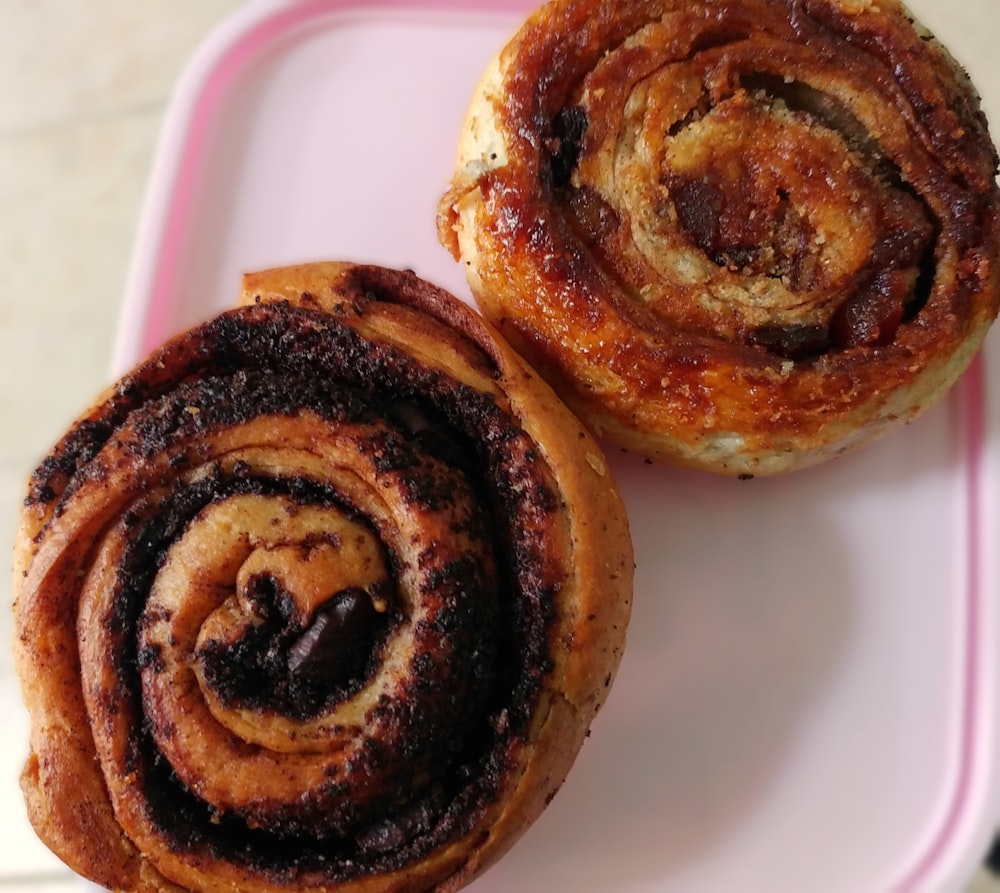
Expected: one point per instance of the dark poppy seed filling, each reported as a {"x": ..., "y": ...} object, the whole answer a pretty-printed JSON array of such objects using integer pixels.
[
  {"x": 433, "y": 749},
  {"x": 324, "y": 594},
  {"x": 293, "y": 668}
]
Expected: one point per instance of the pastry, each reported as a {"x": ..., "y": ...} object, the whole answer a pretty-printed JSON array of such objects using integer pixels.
[
  {"x": 744, "y": 236},
  {"x": 324, "y": 594}
]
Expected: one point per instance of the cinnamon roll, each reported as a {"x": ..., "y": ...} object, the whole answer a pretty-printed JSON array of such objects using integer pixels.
[
  {"x": 325, "y": 593},
  {"x": 743, "y": 236}
]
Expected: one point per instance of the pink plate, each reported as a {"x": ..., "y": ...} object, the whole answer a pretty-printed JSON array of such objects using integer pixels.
[{"x": 809, "y": 697}]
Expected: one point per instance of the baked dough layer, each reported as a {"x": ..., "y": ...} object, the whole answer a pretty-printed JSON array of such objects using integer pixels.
[
  {"x": 324, "y": 593},
  {"x": 744, "y": 236}
]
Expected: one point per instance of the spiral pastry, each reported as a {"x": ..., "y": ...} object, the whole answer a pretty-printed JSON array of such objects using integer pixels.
[
  {"x": 738, "y": 235},
  {"x": 322, "y": 595}
]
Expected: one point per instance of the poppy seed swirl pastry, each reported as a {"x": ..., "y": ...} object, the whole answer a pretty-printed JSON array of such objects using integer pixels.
[
  {"x": 743, "y": 236},
  {"x": 324, "y": 594}
]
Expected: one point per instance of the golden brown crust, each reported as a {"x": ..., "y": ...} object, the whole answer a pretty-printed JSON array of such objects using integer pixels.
[
  {"x": 325, "y": 593},
  {"x": 740, "y": 236}
]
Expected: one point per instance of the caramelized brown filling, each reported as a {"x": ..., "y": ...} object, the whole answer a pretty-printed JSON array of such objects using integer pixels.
[
  {"x": 741, "y": 189},
  {"x": 770, "y": 180}
]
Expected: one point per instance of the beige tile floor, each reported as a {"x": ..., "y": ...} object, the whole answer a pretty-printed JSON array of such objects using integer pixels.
[{"x": 83, "y": 88}]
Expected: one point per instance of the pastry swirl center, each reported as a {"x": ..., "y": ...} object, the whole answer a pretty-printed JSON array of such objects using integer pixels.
[{"x": 301, "y": 625}]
